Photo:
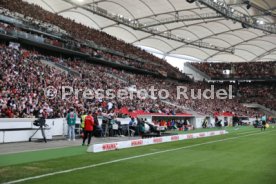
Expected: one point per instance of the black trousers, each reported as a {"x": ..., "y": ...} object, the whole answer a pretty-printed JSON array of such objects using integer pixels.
[
  {"x": 263, "y": 125},
  {"x": 87, "y": 134}
]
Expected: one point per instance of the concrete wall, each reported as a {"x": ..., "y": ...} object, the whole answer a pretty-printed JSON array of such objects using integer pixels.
[
  {"x": 21, "y": 129},
  {"x": 195, "y": 73}
]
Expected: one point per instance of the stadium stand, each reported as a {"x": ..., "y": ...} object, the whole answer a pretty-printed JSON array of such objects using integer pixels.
[
  {"x": 27, "y": 98},
  {"x": 241, "y": 70},
  {"x": 24, "y": 77},
  {"x": 36, "y": 16},
  {"x": 158, "y": 86},
  {"x": 263, "y": 93}
]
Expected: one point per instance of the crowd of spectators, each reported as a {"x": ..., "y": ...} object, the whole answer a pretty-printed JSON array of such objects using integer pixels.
[
  {"x": 261, "y": 93},
  {"x": 24, "y": 78},
  {"x": 238, "y": 70},
  {"x": 10, "y": 29},
  {"x": 81, "y": 32},
  {"x": 22, "y": 82}
]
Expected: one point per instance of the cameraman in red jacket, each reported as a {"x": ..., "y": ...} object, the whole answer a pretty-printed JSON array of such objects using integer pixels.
[{"x": 88, "y": 128}]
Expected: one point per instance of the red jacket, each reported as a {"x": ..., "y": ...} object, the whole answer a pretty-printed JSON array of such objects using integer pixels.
[{"x": 88, "y": 123}]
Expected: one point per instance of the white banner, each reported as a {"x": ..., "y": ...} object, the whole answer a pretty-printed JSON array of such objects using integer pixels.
[{"x": 156, "y": 140}]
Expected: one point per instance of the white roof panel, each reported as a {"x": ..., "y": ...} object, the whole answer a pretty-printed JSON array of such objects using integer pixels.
[{"x": 218, "y": 31}]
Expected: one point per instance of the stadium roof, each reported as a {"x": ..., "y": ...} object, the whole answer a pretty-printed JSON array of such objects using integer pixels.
[{"x": 179, "y": 27}]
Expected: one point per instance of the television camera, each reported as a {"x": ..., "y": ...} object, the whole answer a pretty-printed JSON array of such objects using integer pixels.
[{"x": 41, "y": 122}]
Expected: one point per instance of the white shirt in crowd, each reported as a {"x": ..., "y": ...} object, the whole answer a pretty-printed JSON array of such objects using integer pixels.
[{"x": 109, "y": 105}]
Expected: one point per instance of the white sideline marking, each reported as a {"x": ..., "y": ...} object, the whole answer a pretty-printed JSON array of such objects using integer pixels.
[{"x": 127, "y": 158}]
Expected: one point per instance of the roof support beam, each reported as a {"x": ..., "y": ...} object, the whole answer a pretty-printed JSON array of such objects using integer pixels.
[
  {"x": 239, "y": 43},
  {"x": 202, "y": 39},
  {"x": 181, "y": 18},
  {"x": 225, "y": 10},
  {"x": 79, "y": 5},
  {"x": 169, "y": 12},
  {"x": 177, "y": 28},
  {"x": 154, "y": 17},
  {"x": 264, "y": 54}
]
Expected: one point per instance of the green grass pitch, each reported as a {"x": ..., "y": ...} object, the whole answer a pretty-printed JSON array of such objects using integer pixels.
[{"x": 244, "y": 156}]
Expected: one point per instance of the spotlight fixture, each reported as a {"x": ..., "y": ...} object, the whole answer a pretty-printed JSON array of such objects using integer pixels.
[
  {"x": 248, "y": 4},
  {"x": 244, "y": 25},
  {"x": 190, "y": 1},
  {"x": 260, "y": 22}
]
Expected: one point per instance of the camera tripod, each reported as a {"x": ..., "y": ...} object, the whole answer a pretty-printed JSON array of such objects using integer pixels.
[{"x": 42, "y": 133}]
